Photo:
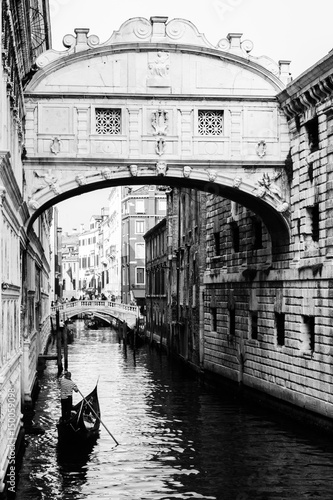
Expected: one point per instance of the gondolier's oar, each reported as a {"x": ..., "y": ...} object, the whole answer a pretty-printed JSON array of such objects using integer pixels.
[{"x": 92, "y": 409}]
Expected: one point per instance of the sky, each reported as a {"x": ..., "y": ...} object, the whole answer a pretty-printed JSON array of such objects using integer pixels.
[{"x": 296, "y": 30}]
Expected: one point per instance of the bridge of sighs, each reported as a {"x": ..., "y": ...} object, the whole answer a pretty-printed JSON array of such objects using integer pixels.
[{"x": 157, "y": 103}]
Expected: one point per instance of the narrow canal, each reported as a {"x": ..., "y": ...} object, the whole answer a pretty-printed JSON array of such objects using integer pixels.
[{"x": 177, "y": 439}]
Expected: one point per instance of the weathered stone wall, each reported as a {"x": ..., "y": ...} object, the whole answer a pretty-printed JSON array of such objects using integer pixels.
[{"x": 268, "y": 321}]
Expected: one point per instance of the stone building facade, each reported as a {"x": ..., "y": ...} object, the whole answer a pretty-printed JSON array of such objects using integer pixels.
[
  {"x": 267, "y": 311},
  {"x": 24, "y": 262}
]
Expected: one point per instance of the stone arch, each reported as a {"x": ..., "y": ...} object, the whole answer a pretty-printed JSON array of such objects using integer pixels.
[
  {"x": 163, "y": 81},
  {"x": 267, "y": 205}
]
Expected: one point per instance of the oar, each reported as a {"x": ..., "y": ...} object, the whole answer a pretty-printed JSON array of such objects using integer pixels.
[{"x": 92, "y": 409}]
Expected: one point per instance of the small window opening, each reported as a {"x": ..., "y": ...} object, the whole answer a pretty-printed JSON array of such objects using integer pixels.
[
  {"x": 257, "y": 234},
  {"x": 312, "y": 129},
  {"x": 232, "y": 321},
  {"x": 213, "y": 318},
  {"x": 254, "y": 324},
  {"x": 217, "y": 243},
  {"x": 234, "y": 236},
  {"x": 308, "y": 333},
  {"x": 280, "y": 328}
]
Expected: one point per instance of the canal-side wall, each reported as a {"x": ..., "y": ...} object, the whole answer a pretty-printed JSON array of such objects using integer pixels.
[{"x": 268, "y": 314}]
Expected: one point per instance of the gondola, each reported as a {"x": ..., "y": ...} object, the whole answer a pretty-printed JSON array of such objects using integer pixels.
[{"x": 83, "y": 426}]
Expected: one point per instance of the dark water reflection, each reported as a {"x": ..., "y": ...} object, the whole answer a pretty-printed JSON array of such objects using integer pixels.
[{"x": 177, "y": 439}]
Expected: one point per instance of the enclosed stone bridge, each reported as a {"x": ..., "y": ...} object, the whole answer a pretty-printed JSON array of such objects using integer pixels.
[
  {"x": 157, "y": 103},
  {"x": 104, "y": 309}
]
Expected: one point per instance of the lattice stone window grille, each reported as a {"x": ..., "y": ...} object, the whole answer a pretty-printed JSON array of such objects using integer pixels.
[
  {"x": 210, "y": 122},
  {"x": 108, "y": 121}
]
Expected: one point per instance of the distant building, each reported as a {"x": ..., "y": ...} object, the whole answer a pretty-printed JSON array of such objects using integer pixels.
[
  {"x": 70, "y": 265},
  {"x": 157, "y": 279},
  {"x": 110, "y": 262},
  {"x": 89, "y": 280},
  {"x": 142, "y": 208}
]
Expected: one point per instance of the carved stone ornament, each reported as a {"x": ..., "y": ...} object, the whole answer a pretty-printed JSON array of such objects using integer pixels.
[
  {"x": 266, "y": 185},
  {"x": 49, "y": 180},
  {"x": 160, "y": 66},
  {"x": 81, "y": 180},
  {"x": 159, "y": 122},
  {"x": 161, "y": 168},
  {"x": 283, "y": 207},
  {"x": 160, "y": 146},
  {"x": 187, "y": 171},
  {"x": 133, "y": 170},
  {"x": 261, "y": 149},
  {"x": 33, "y": 204},
  {"x": 55, "y": 145},
  {"x": 106, "y": 173},
  {"x": 237, "y": 182},
  {"x": 2, "y": 193},
  {"x": 212, "y": 175}
]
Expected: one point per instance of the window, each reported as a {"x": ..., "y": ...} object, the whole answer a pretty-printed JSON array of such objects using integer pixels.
[
  {"x": 108, "y": 121},
  {"x": 312, "y": 129},
  {"x": 213, "y": 318},
  {"x": 232, "y": 321},
  {"x": 140, "y": 206},
  {"x": 162, "y": 205},
  {"x": 257, "y": 233},
  {"x": 217, "y": 243},
  {"x": 140, "y": 275},
  {"x": 314, "y": 212},
  {"x": 308, "y": 334},
  {"x": 234, "y": 236},
  {"x": 140, "y": 226},
  {"x": 139, "y": 250},
  {"x": 279, "y": 325},
  {"x": 210, "y": 122},
  {"x": 254, "y": 324}
]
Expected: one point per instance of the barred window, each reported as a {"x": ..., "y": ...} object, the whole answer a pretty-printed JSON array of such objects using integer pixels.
[
  {"x": 108, "y": 121},
  {"x": 210, "y": 122}
]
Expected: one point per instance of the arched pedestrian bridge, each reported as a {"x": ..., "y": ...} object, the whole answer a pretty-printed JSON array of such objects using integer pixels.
[
  {"x": 101, "y": 308},
  {"x": 157, "y": 103}
]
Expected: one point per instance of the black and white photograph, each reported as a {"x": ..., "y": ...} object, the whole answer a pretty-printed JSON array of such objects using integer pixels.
[{"x": 166, "y": 250}]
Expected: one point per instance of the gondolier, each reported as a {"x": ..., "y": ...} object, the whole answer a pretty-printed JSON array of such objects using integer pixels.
[{"x": 67, "y": 387}]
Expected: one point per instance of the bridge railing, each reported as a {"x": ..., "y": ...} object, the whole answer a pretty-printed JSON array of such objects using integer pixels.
[{"x": 82, "y": 304}]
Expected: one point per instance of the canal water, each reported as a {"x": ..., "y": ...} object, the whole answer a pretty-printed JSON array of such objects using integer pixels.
[{"x": 177, "y": 438}]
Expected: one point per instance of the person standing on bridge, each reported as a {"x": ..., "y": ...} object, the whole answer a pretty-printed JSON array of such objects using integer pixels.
[{"x": 66, "y": 389}]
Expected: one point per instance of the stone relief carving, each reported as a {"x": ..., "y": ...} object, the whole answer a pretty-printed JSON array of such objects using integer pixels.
[
  {"x": 187, "y": 171},
  {"x": 2, "y": 194},
  {"x": 106, "y": 173},
  {"x": 261, "y": 148},
  {"x": 237, "y": 182},
  {"x": 81, "y": 180},
  {"x": 133, "y": 170},
  {"x": 55, "y": 146},
  {"x": 268, "y": 185},
  {"x": 47, "y": 179},
  {"x": 160, "y": 66},
  {"x": 160, "y": 146},
  {"x": 159, "y": 121},
  {"x": 212, "y": 174},
  {"x": 33, "y": 204},
  {"x": 161, "y": 168}
]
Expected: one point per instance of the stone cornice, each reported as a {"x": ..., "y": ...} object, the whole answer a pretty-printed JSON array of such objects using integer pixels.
[{"x": 311, "y": 88}]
